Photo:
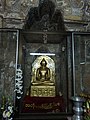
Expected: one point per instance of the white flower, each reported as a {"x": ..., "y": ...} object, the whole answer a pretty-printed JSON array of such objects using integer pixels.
[
  {"x": 4, "y": 114},
  {"x": 7, "y": 113}
]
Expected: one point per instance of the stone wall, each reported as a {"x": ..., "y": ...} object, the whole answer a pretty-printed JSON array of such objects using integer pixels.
[
  {"x": 75, "y": 12},
  {"x": 13, "y": 14},
  {"x": 7, "y": 66}
]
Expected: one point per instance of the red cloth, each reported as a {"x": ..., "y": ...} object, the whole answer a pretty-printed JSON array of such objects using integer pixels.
[{"x": 43, "y": 104}]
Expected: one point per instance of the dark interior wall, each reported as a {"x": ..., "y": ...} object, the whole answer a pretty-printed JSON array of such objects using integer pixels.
[{"x": 7, "y": 65}]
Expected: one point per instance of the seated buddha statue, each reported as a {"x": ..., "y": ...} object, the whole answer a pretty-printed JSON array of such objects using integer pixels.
[{"x": 43, "y": 74}]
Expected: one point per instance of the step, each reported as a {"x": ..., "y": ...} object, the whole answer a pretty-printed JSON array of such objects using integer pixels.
[{"x": 34, "y": 116}]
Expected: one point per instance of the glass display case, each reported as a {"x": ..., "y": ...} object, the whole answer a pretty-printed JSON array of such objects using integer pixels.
[
  {"x": 53, "y": 48},
  {"x": 41, "y": 71},
  {"x": 81, "y": 62}
]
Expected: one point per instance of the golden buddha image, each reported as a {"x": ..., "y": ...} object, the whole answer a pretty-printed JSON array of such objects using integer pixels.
[
  {"x": 43, "y": 77},
  {"x": 43, "y": 73}
]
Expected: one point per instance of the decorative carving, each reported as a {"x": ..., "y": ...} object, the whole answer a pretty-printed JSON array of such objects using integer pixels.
[
  {"x": 19, "y": 6},
  {"x": 86, "y": 10},
  {"x": 2, "y": 6},
  {"x": 13, "y": 23},
  {"x": 45, "y": 16},
  {"x": 43, "y": 91},
  {"x": 18, "y": 9}
]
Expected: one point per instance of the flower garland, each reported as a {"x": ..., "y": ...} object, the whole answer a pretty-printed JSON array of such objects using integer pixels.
[
  {"x": 8, "y": 113},
  {"x": 19, "y": 83},
  {"x": 7, "y": 109}
]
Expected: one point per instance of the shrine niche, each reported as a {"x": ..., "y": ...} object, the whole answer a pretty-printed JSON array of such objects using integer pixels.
[
  {"x": 43, "y": 90},
  {"x": 41, "y": 96},
  {"x": 41, "y": 79},
  {"x": 42, "y": 82}
]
